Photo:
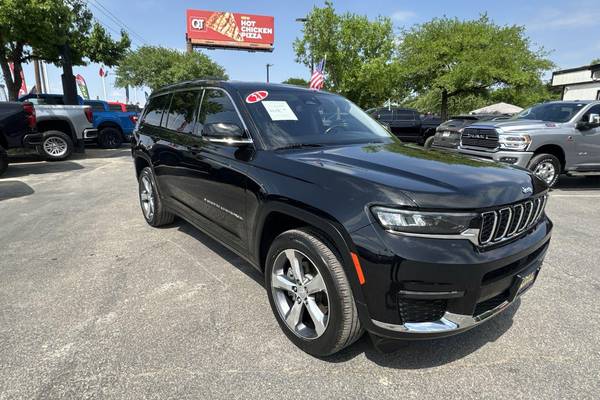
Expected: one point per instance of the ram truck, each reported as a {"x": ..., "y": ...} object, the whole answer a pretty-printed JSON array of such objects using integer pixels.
[
  {"x": 559, "y": 137},
  {"x": 353, "y": 230}
]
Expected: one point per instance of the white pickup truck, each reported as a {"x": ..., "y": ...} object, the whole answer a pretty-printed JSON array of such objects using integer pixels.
[{"x": 64, "y": 129}]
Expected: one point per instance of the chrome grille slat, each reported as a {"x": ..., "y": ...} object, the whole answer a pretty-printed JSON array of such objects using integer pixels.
[{"x": 510, "y": 221}]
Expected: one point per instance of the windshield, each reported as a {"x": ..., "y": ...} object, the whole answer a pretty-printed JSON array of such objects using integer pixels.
[
  {"x": 288, "y": 117},
  {"x": 551, "y": 112}
]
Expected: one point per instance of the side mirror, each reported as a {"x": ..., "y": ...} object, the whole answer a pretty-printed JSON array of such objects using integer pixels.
[
  {"x": 225, "y": 132},
  {"x": 594, "y": 120}
]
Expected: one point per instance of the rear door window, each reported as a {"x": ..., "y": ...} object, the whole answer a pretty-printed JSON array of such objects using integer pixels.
[
  {"x": 180, "y": 117},
  {"x": 154, "y": 110},
  {"x": 404, "y": 115},
  {"x": 385, "y": 115}
]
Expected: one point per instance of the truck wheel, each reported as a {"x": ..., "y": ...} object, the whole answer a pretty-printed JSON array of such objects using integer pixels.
[
  {"x": 546, "y": 167},
  {"x": 428, "y": 142},
  {"x": 309, "y": 293},
  {"x": 110, "y": 138},
  {"x": 152, "y": 207},
  {"x": 3, "y": 161},
  {"x": 56, "y": 146}
]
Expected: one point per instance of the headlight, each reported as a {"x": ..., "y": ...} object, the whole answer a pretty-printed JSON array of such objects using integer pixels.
[
  {"x": 514, "y": 142},
  {"x": 433, "y": 223}
]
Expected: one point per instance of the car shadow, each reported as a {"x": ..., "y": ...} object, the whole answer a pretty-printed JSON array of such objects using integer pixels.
[
  {"x": 578, "y": 183},
  {"x": 37, "y": 168},
  {"x": 217, "y": 248},
  {"x": 97, "y": 152},
  {"x": 420, "y": 354},
  {"x": 408, "y": 354},
  {"x": 13, "y": 189}
]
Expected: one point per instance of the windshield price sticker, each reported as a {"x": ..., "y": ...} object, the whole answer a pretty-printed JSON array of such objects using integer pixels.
[
  {"x": 279, "y": 111},
  {"x": 255, "y": 97}
]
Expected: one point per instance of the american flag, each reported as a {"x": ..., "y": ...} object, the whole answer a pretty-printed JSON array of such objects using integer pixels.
[{"x": 318, "y": 79}]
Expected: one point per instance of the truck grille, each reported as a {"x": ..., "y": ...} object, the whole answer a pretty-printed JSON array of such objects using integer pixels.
[
  {"x": 474, "y": 137},
  {"x": 416, "y": 310},
  {"x": 508, "y": 222}
]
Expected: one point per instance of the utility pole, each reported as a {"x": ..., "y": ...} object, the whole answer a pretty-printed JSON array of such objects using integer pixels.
[
  {"x": 268, "y": 66},
  {"x": 38, "y": 78}
]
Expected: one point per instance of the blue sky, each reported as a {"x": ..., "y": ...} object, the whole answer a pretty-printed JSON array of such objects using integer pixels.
[{"x": 570, "y": 29}]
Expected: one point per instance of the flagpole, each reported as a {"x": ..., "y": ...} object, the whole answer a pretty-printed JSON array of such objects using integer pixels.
[{"x": 104, "y": 85}]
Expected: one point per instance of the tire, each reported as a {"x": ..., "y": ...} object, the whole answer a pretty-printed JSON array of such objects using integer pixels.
[
  {"x": 152, "y": 206},
  {"x": 428, "y": 142},
  {"x": 3, "y": 160},
  {"x": 547, "y": 167},
  {"x": 56, "y": 146},
  {"x": 110, "y": 138},
  {"x": 335, "y": 304}
]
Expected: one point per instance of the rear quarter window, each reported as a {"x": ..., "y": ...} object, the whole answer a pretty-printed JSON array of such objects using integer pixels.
[{"x": 155, "y": 109}]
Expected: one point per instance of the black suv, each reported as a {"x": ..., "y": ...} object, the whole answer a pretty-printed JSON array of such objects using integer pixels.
[{"x": 353, "y": 230}]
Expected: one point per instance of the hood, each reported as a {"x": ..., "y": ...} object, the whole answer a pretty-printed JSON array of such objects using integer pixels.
[
  {"x": 517, "y": 125},
  {"x": 430, "y": 178}
]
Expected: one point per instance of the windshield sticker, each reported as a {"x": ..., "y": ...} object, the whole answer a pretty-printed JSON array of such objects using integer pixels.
[
  {"x": 256, "y": 96},
  {"x": 279, "y": 111}
]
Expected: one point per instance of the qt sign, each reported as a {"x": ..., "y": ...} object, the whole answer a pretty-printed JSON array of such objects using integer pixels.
[{"x": 198, "y": 24}]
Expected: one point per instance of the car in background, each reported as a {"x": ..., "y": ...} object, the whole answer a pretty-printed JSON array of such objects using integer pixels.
[
  {"x": 17, "y": 129},
  {"x": 447, "y": 135},
  {"x": 114, "y": 126},
  {"x": 406, "y": 124},
  {"x": 549, "y": 139},
  {"x": 64, "y": 128}
]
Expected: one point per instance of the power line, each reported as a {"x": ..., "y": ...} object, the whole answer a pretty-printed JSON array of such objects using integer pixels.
[{"x": 117, "y": 20}]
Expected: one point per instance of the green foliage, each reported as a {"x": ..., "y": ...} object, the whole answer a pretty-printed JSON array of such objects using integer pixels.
[
  {"x": 358, "y": 54},
  {"x": 595, "y": 61},
  {"x": 297, "y": 82},
  {"x": 461, "y": 58},
  {"x": 42, "y": 28},
  {"x": 159, "y": 66}
]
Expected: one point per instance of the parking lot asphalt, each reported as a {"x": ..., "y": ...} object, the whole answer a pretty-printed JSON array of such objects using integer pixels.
[{"x": 94, "y": 303}]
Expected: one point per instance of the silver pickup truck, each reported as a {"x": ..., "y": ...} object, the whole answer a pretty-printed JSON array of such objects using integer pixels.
[
  {"x": 548, "y": 139},
  {"x": 64, "y": 129}
]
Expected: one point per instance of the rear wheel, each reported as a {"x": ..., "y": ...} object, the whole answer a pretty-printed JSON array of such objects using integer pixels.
[
  {"x": 56, "y": 146},
  {"x": 3, "y": 161},
  {"x": 110, "y": 138},
  {"x": 152, "y": 206},
  {"x": 309, "y": 293},
  {"x": 546, "y": 167}
]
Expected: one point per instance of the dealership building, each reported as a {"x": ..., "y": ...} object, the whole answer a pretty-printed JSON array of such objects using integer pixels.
[{"x": 581, "y": 83}]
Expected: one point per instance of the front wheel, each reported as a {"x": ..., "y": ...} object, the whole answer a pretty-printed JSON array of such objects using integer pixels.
[
  {"x": 546, "y": 167},
  {"x": 56, "y": 146},
  {"x": 310, "y": 294}
]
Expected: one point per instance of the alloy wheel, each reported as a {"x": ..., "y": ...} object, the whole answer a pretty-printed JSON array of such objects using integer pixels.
[
  {"x": 147, "y": 197},
  {"x": 545, "y": 171},
  {"x": 55, "y": 146},
  {"x": 300, "y": 294}
]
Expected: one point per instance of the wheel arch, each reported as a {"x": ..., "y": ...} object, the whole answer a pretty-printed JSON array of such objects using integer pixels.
[
  {"x": 109, "y": 124},
  {"x": 555, "y": 150},
  {"x": 140, "y": 162},
  {"x": 57, "y": 124}
]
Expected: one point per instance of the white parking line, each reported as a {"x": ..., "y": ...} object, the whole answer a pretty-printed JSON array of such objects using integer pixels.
[{"x": 574, "y": 195}]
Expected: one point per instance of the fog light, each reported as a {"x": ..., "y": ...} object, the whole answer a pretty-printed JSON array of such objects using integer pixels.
[{"x": 508, "y": 160}]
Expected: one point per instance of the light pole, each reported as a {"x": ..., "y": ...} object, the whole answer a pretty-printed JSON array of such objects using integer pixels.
[
  {"x": 268, "y": 66},
  {"x": 304, "y": 20}
]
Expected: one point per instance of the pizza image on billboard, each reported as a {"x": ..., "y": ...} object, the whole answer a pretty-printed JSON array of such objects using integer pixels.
[{"x": 216, "y": 29}]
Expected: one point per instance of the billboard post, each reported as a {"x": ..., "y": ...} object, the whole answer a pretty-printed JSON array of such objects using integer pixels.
[{"x": 226, "y": 30}]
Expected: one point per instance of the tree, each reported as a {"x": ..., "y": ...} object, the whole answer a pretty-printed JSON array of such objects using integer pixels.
[
  {"x": 57, "y": 31},
  {"x": 358, "y": 54},
  {"x": 459, "y": 58},
  {"x": 297, "y": 82},
  {"x": 159, "y": 66},
  {"x": 595, "y": 61}
]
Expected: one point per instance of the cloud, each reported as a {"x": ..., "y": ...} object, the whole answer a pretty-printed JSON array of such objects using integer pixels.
[
  {"x": 552, "y": 18},
  {"x": 402, "y": 15}
]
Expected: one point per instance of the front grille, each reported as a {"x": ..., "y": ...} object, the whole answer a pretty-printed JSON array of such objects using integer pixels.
[
  {"x": 474, "y": 137},
  {"x": 507, "y": 222},
  {"x": 414, "y": 310}
]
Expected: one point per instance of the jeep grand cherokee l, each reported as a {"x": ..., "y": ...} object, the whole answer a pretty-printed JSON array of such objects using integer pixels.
[{"x": 353, "y": 230}]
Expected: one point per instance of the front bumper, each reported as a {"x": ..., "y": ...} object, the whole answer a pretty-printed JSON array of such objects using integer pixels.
[
  {"x": 420, "y": 288},
  {"x": 518, "y": 158},
  {"x": 90, "y": 133}
]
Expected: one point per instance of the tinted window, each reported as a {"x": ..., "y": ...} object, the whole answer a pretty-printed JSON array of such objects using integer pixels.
[
  {"x": 115, "y": 107},
  {"x": 216, "y": 107},
  {"x": 551, "y": 112},
  {"x": 96, "y": 105},
  {"x": 294, "y": 116},
  {"x": 385, "y": 115},
  {"x": 181, "y": 112},
  {"x": 404, "y": 115},
  {"x": 155, "y": 110},
  {"x": 132, "y": 108}
]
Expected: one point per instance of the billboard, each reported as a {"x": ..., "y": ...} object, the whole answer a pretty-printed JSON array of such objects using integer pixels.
[{"x": 216, "y": 29}]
